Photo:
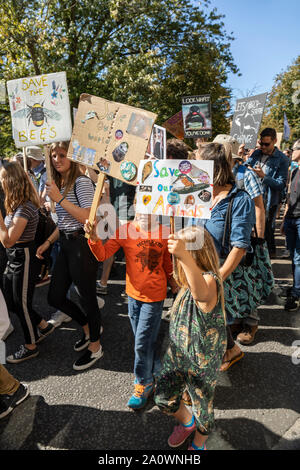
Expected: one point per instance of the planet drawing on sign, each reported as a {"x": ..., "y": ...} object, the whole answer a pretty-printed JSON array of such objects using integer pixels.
[
  {"x": 204, "y": 195},
  {"x": 120, "y": 152},
  {"x": 128, "y": 170}
]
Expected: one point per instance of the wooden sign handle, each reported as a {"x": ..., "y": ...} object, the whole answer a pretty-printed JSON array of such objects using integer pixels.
[
  {"x": 48, "y": 171},
  {"x": 172, "y": 230},
  {"x": 96, "y": 200},
  {"x": 25, "y": 160}
]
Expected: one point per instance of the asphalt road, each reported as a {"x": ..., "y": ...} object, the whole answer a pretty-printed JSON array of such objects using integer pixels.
[{"x": 257, "y": 401}]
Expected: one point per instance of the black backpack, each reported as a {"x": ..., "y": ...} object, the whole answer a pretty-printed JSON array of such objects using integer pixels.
[{"x": 45, "y": 228}]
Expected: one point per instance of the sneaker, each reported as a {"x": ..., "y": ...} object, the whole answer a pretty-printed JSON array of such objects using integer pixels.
[
  {"x": 58, "y": 318},
  {"x": 180, "y": 434},
  {"x": 45, "y": 332},
  {"x": 88, "y": 359},
  {"x": 9, "y": 402},
  {"x": 100, "y": 289},
  {"x": 292, "y": 303},
  {"x": 123, "y": 294},
  {"x": 8, "y": 332},
  {"x": 84, "y": 342},
  {"x": 194, "y": 447},
  {"x": 247, "y": 335},
  {"x": 22, "y": 355},
  {"x": 140, "y": 396}
]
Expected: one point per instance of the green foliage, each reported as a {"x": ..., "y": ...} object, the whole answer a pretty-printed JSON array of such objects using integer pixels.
[
  {"x": 146, "y": 53},
  {"x": 285, "y": 97}
]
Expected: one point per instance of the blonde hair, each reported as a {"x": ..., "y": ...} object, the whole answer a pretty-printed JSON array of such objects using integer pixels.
[
  {"x": 73, "y": 173},
  {"x": 17, "y": 187},
  {"x": 206, "y": 258}
]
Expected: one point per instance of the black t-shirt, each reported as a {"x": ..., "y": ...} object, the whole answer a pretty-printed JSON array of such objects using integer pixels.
[
  {"x": 122, "y": 197},
  {"x": 294, "y": 200}
]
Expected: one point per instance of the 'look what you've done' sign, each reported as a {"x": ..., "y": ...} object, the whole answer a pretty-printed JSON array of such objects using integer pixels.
[
  {"x": 175, "y": 188},
  {"x": 40, "y": 109}
]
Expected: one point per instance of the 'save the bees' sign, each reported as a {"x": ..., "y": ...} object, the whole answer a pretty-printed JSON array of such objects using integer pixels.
[
  {"x": 175, "y": 188},
  {"x": 40, "y": 109}
]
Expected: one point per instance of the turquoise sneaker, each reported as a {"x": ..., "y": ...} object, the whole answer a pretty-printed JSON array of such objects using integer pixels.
[{"x": 140, "y": 396}]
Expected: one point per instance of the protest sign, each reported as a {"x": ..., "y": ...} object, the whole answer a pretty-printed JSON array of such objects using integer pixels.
[
  {"x": 175, "y": 188},
  {"x": 110, "y": 137},
  {"x": 196, "y": 115},
  {"x": 174, "y": 125},
  {"x": 157, "y": 145},
  {"x": 40, "y": 109},
  {"x": 247, "y": 119},
  {"x": 2, "y": 92}
]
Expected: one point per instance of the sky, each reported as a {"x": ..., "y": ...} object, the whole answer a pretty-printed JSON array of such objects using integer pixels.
[{"x": 267, "y": 40}]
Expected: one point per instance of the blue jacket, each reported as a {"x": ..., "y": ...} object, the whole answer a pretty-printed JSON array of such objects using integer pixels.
[
  {"x": 276, "y": 171},
  {"x": 242, "y": 222}
]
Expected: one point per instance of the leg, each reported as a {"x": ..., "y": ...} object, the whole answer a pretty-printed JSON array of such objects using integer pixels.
[
  {"x": 146, "y": 324},
  {"x": 233, "y": 352}
]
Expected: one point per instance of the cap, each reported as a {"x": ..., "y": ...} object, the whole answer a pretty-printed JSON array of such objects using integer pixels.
[
  {"x": 228, "y": 139},
  {"x": 35, "y": 152}
]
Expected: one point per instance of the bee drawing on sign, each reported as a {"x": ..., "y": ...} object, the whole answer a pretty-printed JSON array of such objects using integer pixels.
[{"x": 37, "y": 113}]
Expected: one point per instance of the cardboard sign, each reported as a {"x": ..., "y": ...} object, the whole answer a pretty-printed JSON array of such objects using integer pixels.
[
  {"x": 2, "y": 92},
  {"x": 175, "y": 188},
  {"x": 174, "y": 125},
  {"x": 157, "y": 145},
  {"x": 247, "y": 119},
  {"x": 196, "y": 114},
  {"x": 110, "y": 137},
  {"x": 40, "y": 109}
]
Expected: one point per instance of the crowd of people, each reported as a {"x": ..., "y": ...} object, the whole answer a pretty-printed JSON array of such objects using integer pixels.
[{"x": 214, "y": 301}]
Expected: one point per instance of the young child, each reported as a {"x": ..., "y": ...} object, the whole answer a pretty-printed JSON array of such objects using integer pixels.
[
  {"x": 148, "y": 268},
  {"x": 197, "y": 338}
]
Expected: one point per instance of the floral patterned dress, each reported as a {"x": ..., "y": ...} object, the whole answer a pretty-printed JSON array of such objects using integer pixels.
[{"x": 197, "y": 344}]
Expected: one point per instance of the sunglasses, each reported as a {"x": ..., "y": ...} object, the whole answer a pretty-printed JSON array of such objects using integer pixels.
[{"x": 262, "y": 144}]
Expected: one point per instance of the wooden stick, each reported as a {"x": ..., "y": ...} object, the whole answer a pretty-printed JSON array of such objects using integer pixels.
[
  {"x": 97, "y": 199},
  {"x": 172, "y": 230},
  {"x": 48, "y": 171},
  {"x": 25, "y": 160}
]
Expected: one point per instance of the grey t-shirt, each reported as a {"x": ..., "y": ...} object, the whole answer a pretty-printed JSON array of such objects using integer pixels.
[{"x": 29, "y": 212}]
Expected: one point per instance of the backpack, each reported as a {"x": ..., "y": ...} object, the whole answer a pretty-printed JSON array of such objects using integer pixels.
[{"x": 45, "y": 228}]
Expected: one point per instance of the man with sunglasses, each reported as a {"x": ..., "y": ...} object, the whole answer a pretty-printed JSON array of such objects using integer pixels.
[
  {"x": 271, "y": 165},
  {"x": 291, "y": 228}
]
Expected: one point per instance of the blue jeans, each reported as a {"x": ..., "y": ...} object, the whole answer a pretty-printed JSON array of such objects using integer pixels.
[
  {"x": 145, "y": 321},
  {"x": 292, "y": 233}
]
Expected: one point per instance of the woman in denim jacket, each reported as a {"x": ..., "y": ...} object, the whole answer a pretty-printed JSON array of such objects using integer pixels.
[{"x": 242, "y": 222}]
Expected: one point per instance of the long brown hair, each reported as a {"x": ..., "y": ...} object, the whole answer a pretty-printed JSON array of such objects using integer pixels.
[
  {"x": 203, "y": 251},
  {"x": 73, "y": 173},
  {"x": 222, "y": 165},
  {"x": 17, "y": 187}
]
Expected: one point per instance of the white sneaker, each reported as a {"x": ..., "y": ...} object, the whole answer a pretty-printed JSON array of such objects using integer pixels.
[
  {"x": 58, "y": 318},
  {"x": 9, "y": 330}
]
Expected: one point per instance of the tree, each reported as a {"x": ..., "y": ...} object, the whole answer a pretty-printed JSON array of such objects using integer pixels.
[
  {"x": 285, "y": 98},
  {"x": 145, "y": 53}
]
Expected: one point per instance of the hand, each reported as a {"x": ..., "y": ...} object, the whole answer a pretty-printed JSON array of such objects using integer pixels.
[
  {"x": 176, "y": 247},
  {"x": 241, "y": 150},
  {"x": 53, "y": 192},
  {"x": 47, "y": 206},
  {"x": 174, "y": 286},
  {"x": 41, "y": 249},
  {"x": 258, "y": 171},
  {"x": 90, "y": 229}
]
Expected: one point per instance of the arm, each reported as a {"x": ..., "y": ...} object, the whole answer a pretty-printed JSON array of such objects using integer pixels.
[
  {"x": 12, "y": 235},
  {"x": 50, "y": 240},
  {"x": 201, "y": 288},
  {"x": 232, "y": 261},
  {"x": 100, "y": 251},
  {"x": 260, "y": 216}
]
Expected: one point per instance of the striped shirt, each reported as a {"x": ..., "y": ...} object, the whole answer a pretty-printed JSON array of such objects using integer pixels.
[
  {"x": 84, "y": 199},
  {"x": 29, "y": 212}
]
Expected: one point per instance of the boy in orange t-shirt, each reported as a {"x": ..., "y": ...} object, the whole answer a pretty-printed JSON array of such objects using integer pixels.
[{"x": 148, "y": 270}]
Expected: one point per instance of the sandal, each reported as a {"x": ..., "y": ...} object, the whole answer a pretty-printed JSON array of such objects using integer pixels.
[{"x": 232, "y": 361}]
